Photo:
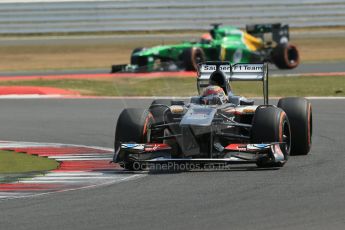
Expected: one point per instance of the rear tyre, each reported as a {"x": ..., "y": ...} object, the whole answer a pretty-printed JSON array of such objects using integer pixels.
[
  {"x": 132, "y": 126},
  {"x": 191, "y": 57},
  {"x": 299, "y": 112},
  {"x": 285, "y": 56},
  {"x": 270, "y": 124}
]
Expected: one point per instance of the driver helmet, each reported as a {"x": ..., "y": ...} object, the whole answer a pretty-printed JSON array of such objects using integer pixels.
[
  {"x": 214, "y": 95},
  {"x": 206, "y": 38}
]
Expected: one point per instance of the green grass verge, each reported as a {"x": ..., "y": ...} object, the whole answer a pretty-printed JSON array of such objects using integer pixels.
[
  {"x": 278, "y": 87},
  {"x": 11, "y": 162}
]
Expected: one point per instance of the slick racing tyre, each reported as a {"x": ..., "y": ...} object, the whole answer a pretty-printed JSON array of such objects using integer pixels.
[
  {"x": 299, "y": 112},
  {"x": 270, "y": 124},
  {"x": 192, "y": 57},
  {"x": 132, "y": 126},
  {"x": 141, "y": 62},
  {"x": 285, "y": 56}
]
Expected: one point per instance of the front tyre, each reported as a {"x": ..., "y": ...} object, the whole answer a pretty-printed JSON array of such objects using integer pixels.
[
  {"x": 133, "y": 125},
  {"x": 270, "y": 124},
  {"x": 140, "y": 61},
  {"x": 191, "y": 57},
  {"x": 299, "y": 112}
]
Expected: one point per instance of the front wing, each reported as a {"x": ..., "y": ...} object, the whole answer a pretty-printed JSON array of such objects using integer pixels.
[{"x": 232, "y": 154}]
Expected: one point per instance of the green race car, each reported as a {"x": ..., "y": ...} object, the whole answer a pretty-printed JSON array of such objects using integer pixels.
[{"x": 259, "y": 43}]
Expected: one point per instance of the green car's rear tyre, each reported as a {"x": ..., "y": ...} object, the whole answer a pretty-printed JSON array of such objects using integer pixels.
[{"x": 285, "y": 56}]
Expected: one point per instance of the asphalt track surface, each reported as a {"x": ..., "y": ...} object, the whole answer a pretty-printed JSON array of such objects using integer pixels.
[{"x": 308, "y": 193}]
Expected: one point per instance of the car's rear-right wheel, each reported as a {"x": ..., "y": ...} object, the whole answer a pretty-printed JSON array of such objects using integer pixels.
[
  {"x": 285, "y": 56},
  {"x": 132, "y": 126},
  {"x": 270, "y": 124},
  {"x": 299, "y": 112}
]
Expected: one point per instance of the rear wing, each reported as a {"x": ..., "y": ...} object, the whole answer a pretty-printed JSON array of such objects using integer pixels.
[
  {"x": 280, "y": 33},
  {"x": 237, "y": 72}
]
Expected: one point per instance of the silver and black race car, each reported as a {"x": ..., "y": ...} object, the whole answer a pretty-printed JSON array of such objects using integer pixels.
[{"x": 216, "y": 127}]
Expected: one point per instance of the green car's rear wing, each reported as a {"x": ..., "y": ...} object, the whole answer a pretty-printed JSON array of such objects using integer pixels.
[
  {"x": 280, "y": 33},
  {"x": 237, "y": 72}
]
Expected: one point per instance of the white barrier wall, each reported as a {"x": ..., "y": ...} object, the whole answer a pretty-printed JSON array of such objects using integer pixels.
[{"x": 59, "y": 16}]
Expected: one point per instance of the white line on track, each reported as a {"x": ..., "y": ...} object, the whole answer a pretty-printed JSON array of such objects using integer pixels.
[
  {"x": 28, "y": 195},
  {"x": 30, "y": 96},
  {"x": 62, "y": 180}
]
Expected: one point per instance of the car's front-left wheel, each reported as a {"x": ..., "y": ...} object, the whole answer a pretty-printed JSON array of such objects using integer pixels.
[{"x": 191, "y": 57}]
